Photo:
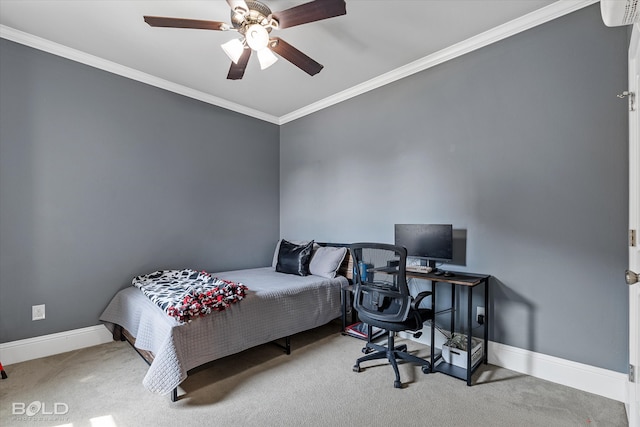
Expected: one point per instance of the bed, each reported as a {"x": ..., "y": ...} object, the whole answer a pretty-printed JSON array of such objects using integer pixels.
[{"x": 277, "y": 305}]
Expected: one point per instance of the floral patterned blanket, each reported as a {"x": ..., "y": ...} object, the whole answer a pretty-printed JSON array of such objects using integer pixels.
[{"x": 187, "y": 294}]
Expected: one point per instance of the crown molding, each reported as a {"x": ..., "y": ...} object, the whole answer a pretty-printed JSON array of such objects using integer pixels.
[
  {"x": 115, "y": 68},
  {"x": 518, "y": 25}
]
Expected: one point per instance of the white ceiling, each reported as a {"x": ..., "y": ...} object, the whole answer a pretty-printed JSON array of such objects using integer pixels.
[{"x": 374, "y": 43}]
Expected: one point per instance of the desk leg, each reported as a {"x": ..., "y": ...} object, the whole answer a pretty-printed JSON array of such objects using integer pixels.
[
  {"x": 469, "y": 324},
  {"x": 486, "y": 321},
  {"x": 346, "y": 301},
  {"x": 452, "y": 328},
  {"x": 344, "y": 308},
  {"x": 433, "y": 325}
]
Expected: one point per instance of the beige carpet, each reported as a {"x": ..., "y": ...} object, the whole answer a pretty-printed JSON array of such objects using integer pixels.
[{"x": 314, "y": 386}]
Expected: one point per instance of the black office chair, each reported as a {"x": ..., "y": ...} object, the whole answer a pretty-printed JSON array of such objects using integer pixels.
[{"x": 382, "y": 299}]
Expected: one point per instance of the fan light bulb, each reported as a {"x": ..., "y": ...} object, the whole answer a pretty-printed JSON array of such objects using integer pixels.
[
  {"x": 233, "y": 48},
  {"x": 266, "y": 58},
  {"x": 257, "y": 37}
]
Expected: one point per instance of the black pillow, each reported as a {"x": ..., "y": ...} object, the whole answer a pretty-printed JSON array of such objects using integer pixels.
[{"x": 294, "y": 259}]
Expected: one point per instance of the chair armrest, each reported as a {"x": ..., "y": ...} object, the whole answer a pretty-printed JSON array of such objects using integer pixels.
[{"x": 417, "y": 300}]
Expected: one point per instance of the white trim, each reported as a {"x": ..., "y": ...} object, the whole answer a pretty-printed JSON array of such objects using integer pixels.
[
  {"x": 633, "y": 406},
  {"x": 603, "y": 382},
  {"x": 533, "y": 19},
  {"x": 112, "y": 67},
  {"x": 48, "y": 345}
]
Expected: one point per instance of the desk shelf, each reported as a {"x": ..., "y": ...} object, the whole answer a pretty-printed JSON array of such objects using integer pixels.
[
  {"x": 455, "y": 371},
  {"x": 470, "y": 282}
]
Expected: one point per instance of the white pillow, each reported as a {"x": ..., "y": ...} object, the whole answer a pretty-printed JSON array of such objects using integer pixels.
[{"x": 326, "y": 261}]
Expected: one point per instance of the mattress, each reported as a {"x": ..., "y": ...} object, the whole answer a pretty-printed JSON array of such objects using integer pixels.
[{"x": 276, "y": 305}]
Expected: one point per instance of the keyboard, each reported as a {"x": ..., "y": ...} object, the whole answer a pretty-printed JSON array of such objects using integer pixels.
[{"x": 419, "y": 268}]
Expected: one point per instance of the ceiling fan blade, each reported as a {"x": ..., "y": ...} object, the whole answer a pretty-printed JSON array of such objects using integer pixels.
[
  {"x": 238, "y": 4},
  {"x": 294, "y": 56},
  {"x": 236, "y": 71},
  {"x": 160, "y": 21},
  {"x": 310, "y": 12}
]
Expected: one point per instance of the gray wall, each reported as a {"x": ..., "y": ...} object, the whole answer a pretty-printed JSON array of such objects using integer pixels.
[
  {"x": 103, "y": 178},
  {"x": 523, "y": 144}
]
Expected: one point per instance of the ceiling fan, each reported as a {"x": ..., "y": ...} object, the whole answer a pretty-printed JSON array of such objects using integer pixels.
[{"x": 254, "y": 21}]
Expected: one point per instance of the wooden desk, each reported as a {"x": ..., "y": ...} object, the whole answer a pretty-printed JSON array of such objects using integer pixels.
[{"x": 470, "y": 281}]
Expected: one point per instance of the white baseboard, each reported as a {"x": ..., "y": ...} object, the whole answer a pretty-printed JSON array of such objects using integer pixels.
[
  {"x": 48, "y": 345},
  {"x": 603, "y": 382}
]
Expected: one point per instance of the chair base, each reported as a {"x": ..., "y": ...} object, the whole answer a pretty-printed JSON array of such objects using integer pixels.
[{"x": 392, "y": 353}]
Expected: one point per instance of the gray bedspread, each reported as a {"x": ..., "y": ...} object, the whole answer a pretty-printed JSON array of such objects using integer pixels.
[{"x": 277, "y": 305}]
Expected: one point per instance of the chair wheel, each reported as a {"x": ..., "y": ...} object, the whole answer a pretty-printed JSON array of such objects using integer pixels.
[
  {"x": 397, "y": 384},
  {"x": 425, "y": 369},
  {"x": 356, "y": 368}
]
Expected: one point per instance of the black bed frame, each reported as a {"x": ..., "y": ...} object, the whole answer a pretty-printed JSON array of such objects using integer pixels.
[{"x": 121, "y": 334}]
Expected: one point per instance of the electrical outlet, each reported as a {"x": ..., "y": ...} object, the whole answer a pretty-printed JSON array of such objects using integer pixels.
[
  {"x": 479, "y": 313},
  {"x": 37, "y": 312}
]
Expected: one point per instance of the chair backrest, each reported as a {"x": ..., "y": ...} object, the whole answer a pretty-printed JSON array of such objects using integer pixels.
[{"x": 380, "y": 291}]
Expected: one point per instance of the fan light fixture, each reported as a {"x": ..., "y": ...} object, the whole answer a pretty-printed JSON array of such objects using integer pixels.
[
  {"x": 233, "y": 48},
  {"x": 266, "y": 58},
  {"x": 257, "y": 38}
]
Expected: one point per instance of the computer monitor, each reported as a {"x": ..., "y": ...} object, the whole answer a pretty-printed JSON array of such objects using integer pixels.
[{"x": 433, "y": 242}]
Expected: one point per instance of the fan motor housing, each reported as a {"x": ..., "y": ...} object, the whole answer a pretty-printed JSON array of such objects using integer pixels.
[{"x": 258, "y": 13}]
